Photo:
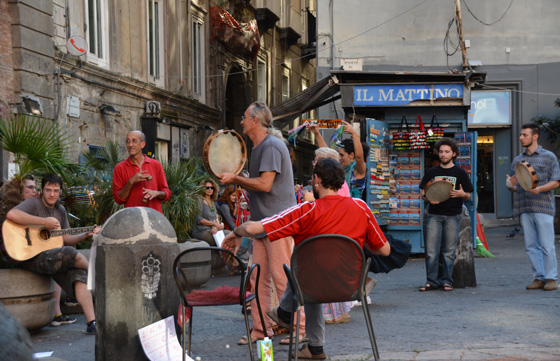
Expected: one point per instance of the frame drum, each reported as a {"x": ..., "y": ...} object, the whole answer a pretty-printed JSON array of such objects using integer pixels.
[
  {"x": 224, "y": 152},
  {"x": 526, "y": 175},
  {"x": 438, "y": 190}
]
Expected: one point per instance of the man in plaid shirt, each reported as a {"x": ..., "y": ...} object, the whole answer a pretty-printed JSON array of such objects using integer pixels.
[{"x": 535, "y": 207}]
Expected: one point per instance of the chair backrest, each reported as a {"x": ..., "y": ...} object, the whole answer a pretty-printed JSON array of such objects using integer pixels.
[
  {"x": 192, "y": 270},
  {"x": 329, "y": 268}
]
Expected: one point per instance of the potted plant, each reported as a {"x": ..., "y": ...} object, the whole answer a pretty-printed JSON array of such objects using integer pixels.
[{"x": 38, "y": 146}]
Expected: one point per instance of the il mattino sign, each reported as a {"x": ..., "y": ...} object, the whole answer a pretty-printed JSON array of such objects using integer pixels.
[{"x": 395, "y": 95}]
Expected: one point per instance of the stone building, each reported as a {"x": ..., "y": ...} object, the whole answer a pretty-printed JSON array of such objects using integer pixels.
[{"x": 176, "y": 69}]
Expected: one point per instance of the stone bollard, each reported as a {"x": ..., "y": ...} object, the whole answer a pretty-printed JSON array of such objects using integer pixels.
[
  {"x": 28, "y": 296},
  {"x": 134, "y": 284},
  {"x": 463, "y": 270}
]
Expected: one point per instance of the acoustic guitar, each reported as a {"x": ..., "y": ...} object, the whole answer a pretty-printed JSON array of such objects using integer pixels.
[{"x": 23, "y": 242}]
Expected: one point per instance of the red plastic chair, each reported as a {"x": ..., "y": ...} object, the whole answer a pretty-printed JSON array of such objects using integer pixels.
[{"x": 189, "y": 273}]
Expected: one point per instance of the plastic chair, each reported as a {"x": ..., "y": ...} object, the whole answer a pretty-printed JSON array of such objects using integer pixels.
[
  {"x": 197, "y": 287},
  {"x": 325, "y": 269}
]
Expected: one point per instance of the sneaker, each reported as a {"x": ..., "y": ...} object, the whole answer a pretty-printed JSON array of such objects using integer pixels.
[
  {"x": 91, "y": 330},
  {"x": 358, "y": 303},
  {"x": 550, "y": 285},
  {"x": 62, "y": 320},
  {"x": 535, "y": 285}
]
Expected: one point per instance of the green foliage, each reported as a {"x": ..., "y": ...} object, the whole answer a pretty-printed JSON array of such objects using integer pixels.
[
  {"x": 184, "y": 179},
  {"x": 90, "y": 197},
  {"x": 551, "y": 127},
  {"x": 38, "y": 144}
]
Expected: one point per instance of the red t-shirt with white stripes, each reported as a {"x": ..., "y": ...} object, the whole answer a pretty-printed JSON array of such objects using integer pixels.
[{"x": 328, "y": 215}]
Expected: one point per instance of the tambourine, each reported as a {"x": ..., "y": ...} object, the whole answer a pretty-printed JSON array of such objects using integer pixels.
[
  {"x": 526, "y": 175},
  {"x": 224, "y": 152},
  {"x": 438, "y": 190}
]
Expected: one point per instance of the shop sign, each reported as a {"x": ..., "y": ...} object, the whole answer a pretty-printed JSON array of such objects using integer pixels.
[
  {"x": 490, "y": 108},
  {"x": 403, "y": 94}
]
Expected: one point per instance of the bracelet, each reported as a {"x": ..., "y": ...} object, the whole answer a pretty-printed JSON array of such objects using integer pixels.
[{"x": 235, "y": 234}]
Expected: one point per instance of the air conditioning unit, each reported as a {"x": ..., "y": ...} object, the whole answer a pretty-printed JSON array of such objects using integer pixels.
[{"x": 153, "y": 108}]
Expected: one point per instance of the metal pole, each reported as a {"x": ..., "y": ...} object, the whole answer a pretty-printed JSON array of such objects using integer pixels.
[{"x": 463, "y": 49}]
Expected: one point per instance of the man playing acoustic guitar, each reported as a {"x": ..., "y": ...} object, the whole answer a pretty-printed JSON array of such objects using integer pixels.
[{"x": 65, "y": 265}]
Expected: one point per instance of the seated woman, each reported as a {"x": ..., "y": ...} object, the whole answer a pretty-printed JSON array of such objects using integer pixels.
[
  {"x": 207, "y": 223},
  {"x": 228, "y": 207}
]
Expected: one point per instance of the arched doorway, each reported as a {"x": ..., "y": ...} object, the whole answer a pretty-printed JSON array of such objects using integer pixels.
[{"x": 237, "y": 99}]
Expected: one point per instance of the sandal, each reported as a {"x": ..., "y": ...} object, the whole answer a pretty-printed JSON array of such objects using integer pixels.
[
  {"x": 244, "y": 340},
  {"x": 427, "y": 287},
  {"x": 447, "y": 287},
  {"x": 286, "y": 340}
]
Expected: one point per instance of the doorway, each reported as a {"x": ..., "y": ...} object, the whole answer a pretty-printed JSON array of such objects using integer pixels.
[{"x": 485, "y": 173}]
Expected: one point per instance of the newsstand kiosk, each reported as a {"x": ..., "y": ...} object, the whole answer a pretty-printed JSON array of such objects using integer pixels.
[{"x": 380, "y": 101}]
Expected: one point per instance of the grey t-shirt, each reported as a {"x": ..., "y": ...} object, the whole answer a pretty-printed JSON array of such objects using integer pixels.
[
  {"x": 36, "y": 207},
  {"x": 205, "y": 213},
  {"x": 271, "y": 155}
]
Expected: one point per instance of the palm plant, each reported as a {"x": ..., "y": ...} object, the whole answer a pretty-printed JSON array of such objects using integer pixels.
[
  {"x": 38, "y": 145},
  {"x": 184, "y": 179},
  {"x": 97, "y": 178}
]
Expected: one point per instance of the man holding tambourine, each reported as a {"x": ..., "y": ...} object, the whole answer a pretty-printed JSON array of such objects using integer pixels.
[
  {"x": 537, "y": 174},
  {"x": 444, "y": 214}
]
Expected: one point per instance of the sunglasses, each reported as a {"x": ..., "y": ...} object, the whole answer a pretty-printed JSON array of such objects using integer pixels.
[{"x": 212, "y": 188}]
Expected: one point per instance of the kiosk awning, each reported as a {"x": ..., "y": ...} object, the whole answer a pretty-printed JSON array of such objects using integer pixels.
[{"x": 319, "y": 94}]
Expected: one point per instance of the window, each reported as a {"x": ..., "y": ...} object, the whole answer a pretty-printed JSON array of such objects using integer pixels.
[
  {"x": 198, "y": 55},
  {"x": 261, "y": 81},
  {"x": 96, "y": 32},
  {"x": 285, "y": 84},
  {"x": 162, "y": 151},
  {"x": 155, "y": 41}
]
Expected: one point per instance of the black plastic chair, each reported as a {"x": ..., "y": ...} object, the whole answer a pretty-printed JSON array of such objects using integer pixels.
[
  {"x": 325, "y": 269},
  {"x": 197, "y": 287}
]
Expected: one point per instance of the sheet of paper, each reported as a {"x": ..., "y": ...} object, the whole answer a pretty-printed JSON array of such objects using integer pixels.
[
  {"x": 91, "y": 266},
  {"x": 40, "y": 355},
  {"x": 219, "y": 238},
  {"x": 160, "y": 343}
]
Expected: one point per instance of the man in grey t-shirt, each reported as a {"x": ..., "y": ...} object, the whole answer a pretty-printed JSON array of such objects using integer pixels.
[{"x": 271, "y": 190}]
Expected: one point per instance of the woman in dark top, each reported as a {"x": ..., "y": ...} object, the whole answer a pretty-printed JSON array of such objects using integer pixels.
[{"x": 228, "y": 207}]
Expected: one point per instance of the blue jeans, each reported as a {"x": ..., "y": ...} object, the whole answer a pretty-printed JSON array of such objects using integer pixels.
[
  {"x": 442, "y": 233},
  {"x": 539, "y": 245}
]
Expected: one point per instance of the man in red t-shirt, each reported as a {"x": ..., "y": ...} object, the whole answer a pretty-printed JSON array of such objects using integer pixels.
[
  {"x": 329, "y": 214},
  {"x": 139, "y": 181}
]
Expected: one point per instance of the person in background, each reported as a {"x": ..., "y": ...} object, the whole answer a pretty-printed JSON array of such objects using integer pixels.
[
  {"x": 444, "y": 219},
  {"x": 535, "y": 207},
  {"x": 228, "y": 207},
  {"x": 352, "y": 157},
  {"x": 207, "y": 223},
  {"x": 139, "y": 181}
]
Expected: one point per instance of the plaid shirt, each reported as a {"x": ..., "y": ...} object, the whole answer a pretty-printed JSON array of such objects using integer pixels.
[{"x": 545, "y": 164}]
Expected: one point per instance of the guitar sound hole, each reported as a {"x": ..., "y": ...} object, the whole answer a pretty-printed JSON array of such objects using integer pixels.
[{"x": 44, "y": 234}]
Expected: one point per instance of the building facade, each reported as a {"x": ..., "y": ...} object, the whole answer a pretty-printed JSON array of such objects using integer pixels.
[
  {"x": 513, "y": 42},
  {"x": 176, "y": 69}
]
